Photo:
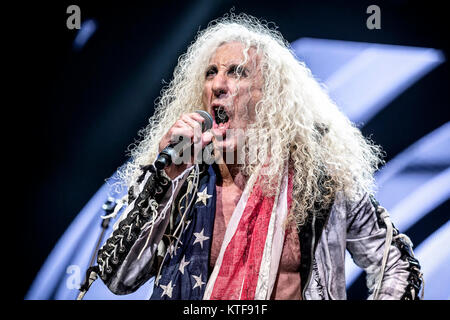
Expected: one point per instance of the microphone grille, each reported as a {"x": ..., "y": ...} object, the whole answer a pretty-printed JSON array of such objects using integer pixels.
[{"x": 208, "y": 123}]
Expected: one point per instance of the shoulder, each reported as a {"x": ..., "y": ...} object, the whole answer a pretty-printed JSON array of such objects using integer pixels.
[{"x": 361, "y": 203}]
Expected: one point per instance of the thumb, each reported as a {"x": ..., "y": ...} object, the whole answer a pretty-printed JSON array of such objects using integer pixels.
[{"x": 206, "y": 138}]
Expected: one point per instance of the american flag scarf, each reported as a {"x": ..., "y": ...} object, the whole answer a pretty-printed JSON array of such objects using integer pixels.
[{"x": 249, "y": 257}]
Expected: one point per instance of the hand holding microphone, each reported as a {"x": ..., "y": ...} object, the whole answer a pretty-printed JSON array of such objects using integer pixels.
[{"x": 189, "y": 129}]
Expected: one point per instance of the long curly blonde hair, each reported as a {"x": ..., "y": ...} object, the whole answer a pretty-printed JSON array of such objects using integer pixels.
[{"x": 304, "y": 127}]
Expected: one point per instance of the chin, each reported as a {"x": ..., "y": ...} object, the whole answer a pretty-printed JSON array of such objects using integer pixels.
[
  {"x": 228, "y": 149},
  {"x": 226, "y": 145}
]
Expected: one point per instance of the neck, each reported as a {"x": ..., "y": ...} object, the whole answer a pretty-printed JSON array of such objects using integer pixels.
[{"x": 230, "y": 174}]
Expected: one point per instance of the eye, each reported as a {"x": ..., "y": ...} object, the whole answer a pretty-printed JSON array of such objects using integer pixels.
[
  {"x": 210, "y": 71},
  {"x": 238, "y": 71}
]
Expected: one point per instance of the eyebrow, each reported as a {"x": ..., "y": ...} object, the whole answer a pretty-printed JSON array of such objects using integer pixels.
[
  {"x": 231, "y": 65},
  {"x": 210, "y": 68}
]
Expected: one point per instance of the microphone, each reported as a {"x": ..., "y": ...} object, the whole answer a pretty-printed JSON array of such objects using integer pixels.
[{"x": 168, "y": 153}]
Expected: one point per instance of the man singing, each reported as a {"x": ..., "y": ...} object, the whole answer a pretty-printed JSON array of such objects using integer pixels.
[{"x": 268, "y": 200}]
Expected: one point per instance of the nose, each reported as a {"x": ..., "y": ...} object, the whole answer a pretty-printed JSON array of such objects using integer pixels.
[{"x": 219, "y": 85}]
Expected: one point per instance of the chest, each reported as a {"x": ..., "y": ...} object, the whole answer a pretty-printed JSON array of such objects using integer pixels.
[{"x": 227, "y": 199}]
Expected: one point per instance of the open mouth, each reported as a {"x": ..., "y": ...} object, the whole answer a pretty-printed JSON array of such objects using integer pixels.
[
  {"x": 221, "y": 119},
  {"x": 220, "y": 115}
]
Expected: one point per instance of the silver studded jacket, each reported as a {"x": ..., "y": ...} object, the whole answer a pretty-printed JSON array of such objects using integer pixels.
[{"x": 363, "y": 229}]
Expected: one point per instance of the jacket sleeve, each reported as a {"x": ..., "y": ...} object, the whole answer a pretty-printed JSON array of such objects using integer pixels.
[
  {"x": 385, "y": 254},
  {"x": 127, "y": 259}
]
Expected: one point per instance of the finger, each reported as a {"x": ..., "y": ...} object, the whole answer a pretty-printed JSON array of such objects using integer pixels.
[
  {"x": 176, "y": 133},
  {"x": 184, "y": 132},
  {"x": 193, "y": 119},
  {"x": 197, "y": 117},
  {"x": 180, "y": 124},
  {"x": 196, "y": 126}
]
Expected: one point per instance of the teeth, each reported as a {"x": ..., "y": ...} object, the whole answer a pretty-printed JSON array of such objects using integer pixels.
[{"x": 220, "y": 115}]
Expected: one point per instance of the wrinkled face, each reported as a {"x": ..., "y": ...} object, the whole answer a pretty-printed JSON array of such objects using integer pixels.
[{"x": 231, "y": 91}]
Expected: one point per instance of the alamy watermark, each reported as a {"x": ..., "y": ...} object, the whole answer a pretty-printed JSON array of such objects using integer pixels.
[
  {"x": 74, "y": 20},
  {"x": 73, "y": 281},
  {"x": 374, "y": 20}
]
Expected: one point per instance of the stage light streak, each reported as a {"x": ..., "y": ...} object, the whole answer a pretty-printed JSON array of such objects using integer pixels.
[
  {"x": 88, "y": 28},
  {"x": 434, "y": 256},
  {"x": 363, "y": 78}
]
